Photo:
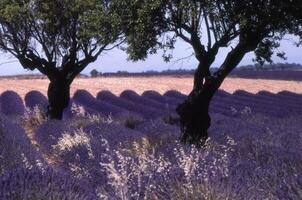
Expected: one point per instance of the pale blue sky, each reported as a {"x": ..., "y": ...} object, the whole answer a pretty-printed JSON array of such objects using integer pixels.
[{"x": 117, "y": 60}]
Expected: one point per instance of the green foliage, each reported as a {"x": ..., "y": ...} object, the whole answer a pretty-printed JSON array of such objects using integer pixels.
[
  {"x": 94, "y": 73},
  {"x": 209, "y": 25},
  {"x": 142, "y": 23},
  {"x": 45, "y": 34}
]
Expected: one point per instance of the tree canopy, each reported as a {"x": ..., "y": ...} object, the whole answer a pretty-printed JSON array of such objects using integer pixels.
[
  {"x": 59, "y": 35},
  {"x": 59, "y": 38},
  {"x": 210, "y": 25},
  {"x": 207, "y": 26}
]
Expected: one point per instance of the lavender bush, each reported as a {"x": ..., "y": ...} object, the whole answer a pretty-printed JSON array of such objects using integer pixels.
[
  {"x": 230, "y": 168},
  {"x": 80, "y": 151},
  {"x": 88, "y": 101},
  {"x": 150, "y": 105},
  {"x": 169, "y": 103},
  {"x": 132, "y": 106},
  {"x": 270, "y": 97},
  {"x": 69, "y": 113},
  {"x": 11, "y": 103},
  {"x": 238, "y": 161},
  {"x": 249, "y": 154},
  {"x": 133, "y": 96},
  {"x": 16, "y": 150},
  {"x": 175, "y": 94},
  {"x": 291, "y": 95},
  {"x": 266, "y": 155},
  {"x": 108, "y": 97},
  {"x": 258, "y": 104},
  {"x": 46, "y": 184},
  {"x": 35, "y": 98},
  {"x": 48, "y": 133},
  {"x": 151, "y": 94}
]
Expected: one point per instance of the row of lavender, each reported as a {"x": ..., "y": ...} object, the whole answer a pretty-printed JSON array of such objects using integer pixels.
[
  {"x": 101, "y": 160},
  {"x": 26, "y": 175},
  {"x": 97, "y": 159},
  {"x": 151, "y": 105}
]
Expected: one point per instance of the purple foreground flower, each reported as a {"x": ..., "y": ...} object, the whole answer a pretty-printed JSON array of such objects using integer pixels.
[
  {"x": 47, "y": 184},
  {"x": 147, "y": 162},
  {"x": 80, "y": 151},
  {"x": 253, "y": 156},
  {"x": 48, "y": 133},
  {"x": 159, "y": 130},
  {"x": 16, "y": 149},
  {"x": 11, "y": 103}
]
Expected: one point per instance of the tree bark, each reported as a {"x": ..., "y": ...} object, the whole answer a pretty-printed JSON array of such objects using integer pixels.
[
  {"x": 58, "y": 97},
  {"x": 194, "y": 112},
  {"x": 199, "y": 77}
]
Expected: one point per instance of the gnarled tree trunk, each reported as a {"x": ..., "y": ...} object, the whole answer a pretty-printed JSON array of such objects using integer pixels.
[
  {"x": 58, "y": 97},
  {"x": 194, "y": 113}
]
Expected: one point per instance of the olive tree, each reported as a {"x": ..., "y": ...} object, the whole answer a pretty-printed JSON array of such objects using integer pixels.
[
  {"x": 208, "y": 26},
  {"x": 59, "y": 38}
]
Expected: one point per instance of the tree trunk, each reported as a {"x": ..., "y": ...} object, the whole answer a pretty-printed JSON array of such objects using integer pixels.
[
  {"x": 194, "y": 113},
  {"x": 200, "y": 74},
  {"x": 58, "y": 97}
]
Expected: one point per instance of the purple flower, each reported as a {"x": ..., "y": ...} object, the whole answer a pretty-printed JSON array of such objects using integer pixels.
[
  {"x": 48, "y": 133},
  {"x": 27, "y": 184},
  {"x": 16, "y": 149}
]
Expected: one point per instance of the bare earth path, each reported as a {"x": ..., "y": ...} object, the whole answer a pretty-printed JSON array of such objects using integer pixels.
[{"x": 141, "y": 84}]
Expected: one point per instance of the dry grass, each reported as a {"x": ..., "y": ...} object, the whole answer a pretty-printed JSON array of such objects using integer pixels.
[{"x": 140, "y": 84}]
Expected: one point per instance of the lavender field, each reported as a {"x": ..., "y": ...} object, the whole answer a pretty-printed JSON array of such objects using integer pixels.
[{"x": 126, "y": 147}]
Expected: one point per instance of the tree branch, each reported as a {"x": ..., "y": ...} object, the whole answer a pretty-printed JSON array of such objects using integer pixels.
[
  {"x": 208, "y": 30},
  {"x": 234, "y": 57}
]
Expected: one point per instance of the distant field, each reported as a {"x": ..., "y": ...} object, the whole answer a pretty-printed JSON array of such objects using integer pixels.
[
  {"x": 272, "y": 75},
  {"x": 140, "y": 84}
]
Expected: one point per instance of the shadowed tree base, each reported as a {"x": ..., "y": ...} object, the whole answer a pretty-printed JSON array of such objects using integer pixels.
[
  {"x": 194, "y": 119},
  {"x": 58, "y": 97}
]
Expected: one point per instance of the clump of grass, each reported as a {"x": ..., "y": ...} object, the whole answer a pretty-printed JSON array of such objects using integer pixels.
[
  {"x": 82, "y": 118},
  {"x": 33, "y": 118},
  {"x": 142, "y": 147}
]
